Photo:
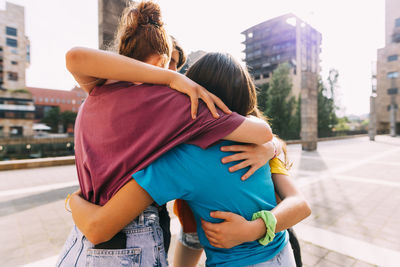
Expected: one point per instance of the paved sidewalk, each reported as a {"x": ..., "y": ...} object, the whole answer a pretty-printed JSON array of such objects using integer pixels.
[{"x": 353, "y": 187}]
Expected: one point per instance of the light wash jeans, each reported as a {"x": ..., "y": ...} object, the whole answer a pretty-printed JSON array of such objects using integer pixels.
[
  {"x": 144, "y": 246},
  {"x": 284, "y": 258}
]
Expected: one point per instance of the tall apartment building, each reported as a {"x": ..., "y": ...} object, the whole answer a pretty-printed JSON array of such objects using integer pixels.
[
  {"x": 14, "y": 47},
  {"x": 109, "y": 13},
  {"x": 282, "y": 39},
  {"x": 388, "y": 69}
]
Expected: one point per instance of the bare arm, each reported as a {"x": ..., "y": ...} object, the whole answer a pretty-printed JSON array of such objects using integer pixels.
[
  {"x": 253, "y": 131},
  {"x": 235, "y": 229},
  {"x": 89, "y": 65},
  {"x": 101, "y": 223}
]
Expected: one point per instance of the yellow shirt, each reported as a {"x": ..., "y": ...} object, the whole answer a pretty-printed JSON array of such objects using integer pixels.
[{"x": 277, "y": 166}]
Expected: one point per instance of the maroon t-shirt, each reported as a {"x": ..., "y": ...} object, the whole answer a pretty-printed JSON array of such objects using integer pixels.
[{"x": 121, "y": 128}]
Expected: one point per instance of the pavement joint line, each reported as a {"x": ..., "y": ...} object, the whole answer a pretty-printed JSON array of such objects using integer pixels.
[
  {"x": 35, "y": 189},
  {"x": 307, "y": 181},
  {"x": 365, "y": 180},
  {"x": 348, "y": 246}
]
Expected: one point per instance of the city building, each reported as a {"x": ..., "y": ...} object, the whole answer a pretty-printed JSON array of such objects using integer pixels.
[
  {"x": 16, "y": 113},
  {"x": 191, "y": 59},
  {"x": 109, "y": 13},
  {"x": 14, "y": 47},
  {"x": 282, "y": 39},
  {"x": 388, "y": 70},
  {"x": 46, "y": 99}
]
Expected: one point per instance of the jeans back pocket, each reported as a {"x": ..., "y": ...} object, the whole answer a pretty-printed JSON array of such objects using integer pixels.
[{"x": 114, "y": 257}]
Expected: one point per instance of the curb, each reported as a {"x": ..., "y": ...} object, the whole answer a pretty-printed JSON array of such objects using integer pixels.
[{"x": 36, "y": 163}]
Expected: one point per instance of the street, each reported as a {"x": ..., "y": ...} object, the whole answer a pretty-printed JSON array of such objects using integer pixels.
[{"x": 352, "y": 185}]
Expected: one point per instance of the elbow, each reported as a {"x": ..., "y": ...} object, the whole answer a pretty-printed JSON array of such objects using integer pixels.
[
  {"x": 72, "y": 58},
  {"x": 306, "y": 208},
  {"x": 94, "y": 233},
  {"x": 266, "y": 136}
]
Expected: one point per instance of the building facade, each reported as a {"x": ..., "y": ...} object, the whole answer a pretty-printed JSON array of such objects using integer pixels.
[
  {"x": 282, "y": 39},
  {"x": 14, "y": 47},
  {"x": 109, "y": 14},
  {"x": 17, "y": 113},
  {"x": 388, "y": 70},
  {"x": 46, "y": 99}
]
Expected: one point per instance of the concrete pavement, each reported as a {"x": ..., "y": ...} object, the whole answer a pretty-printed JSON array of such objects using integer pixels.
[{"x": 353, "y": 187}]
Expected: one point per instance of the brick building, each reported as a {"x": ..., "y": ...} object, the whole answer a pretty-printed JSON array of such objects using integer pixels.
[{"x": 45, "y": 99}]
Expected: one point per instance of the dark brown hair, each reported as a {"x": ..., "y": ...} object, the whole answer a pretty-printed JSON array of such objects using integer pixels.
[
  {"x": 225, "y": 77},
  {"x": 141, "y": 33},
  {"x": 182, "y": 55}
]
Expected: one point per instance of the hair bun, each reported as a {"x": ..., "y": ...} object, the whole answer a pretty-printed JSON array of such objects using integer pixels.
[{"x": 149, "y": 12}]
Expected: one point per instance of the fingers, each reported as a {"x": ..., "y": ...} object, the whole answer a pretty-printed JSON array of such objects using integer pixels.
[
  {"x": 236, "y": 148},
  {"x": 235, "y": 157},
  {"x": 223, "y": 215},
  {"x": 240, "y": 165},
  {"x": 250, "y": 172},
  {"x": 220, "y": 104},
  {"x": 194, "y": 105},
  {"x": 213, "y": 241},
  {"x": 209, "y": 102}
]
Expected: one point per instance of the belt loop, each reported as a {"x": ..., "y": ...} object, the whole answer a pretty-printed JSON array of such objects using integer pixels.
[{"x": 141, "y": 219}]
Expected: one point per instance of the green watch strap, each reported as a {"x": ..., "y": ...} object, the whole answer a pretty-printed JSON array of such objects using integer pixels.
[{"x": 270, "y": 223}]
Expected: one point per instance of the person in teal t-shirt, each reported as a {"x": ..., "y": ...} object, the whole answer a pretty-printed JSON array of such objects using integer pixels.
[{"x": 190, "y": 173}]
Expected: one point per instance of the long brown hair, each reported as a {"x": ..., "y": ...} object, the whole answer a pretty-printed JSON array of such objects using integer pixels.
[{"x": 225, "y": 77}]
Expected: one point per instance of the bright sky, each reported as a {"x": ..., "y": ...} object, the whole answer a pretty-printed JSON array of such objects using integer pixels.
[{"x": 352, "y": 31}]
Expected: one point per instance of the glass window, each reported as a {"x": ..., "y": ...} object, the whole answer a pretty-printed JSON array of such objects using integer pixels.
[
  {"x": 393, "y": 74},
  {"x": 11, "y": 31},
  {"x": 46, "y": 100},
  {"x": 12, "y": 76},
  {"x": 68, "y": 101},
  {"x": 58, "y": 101},
  {"x": 41, "y": 99},
  {"x": 73, "y": 101},
  {"x": 12, "y": 42},
  {"x": 14, "y": 62},
  {"x": 397, "y": 22},
  {"x": 392, "y": 58},
  {"x": 63, "y": 101},
  {"x": 52, "y": 100}
]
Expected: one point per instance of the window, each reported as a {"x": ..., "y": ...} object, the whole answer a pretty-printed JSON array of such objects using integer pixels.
[
  {"x": 14, "y": 51},
  {"x": 41, "y": 99},
  {"x": 11, "y": 31},
  {"x": 63, "y": 101},
  {"x": 14, "y": 62},
  {"x": 250, "y": 35},
  {"x": 397, "y": 22},
  {"x": 73, "y": 101},
  {"x": 392, "y": 91},
  {"x": 16, "y": 131},
  {"x": 12, "y": 42},
  {"x": 58, "y": 101},
  {"x": 1, "y": 131},
  {"x": 12, "y": 76},
  {"x": 46, "y": 100},
  {"x": 392, "y": 75},
  {"x": 68, "y": 101},
  {"x": 52, "y": 100}
]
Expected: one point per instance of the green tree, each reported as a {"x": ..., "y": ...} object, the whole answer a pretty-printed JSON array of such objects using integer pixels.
[
  {"x": 327, "y": 118},
  {"x": 262, "y": 94},
  {"x": 281, "y": 106},
  {"x": 52, "y": 119}
]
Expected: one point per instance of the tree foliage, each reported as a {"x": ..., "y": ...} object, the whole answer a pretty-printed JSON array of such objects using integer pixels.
[
  {"x": 284, "y": 110},
  {"x": 54, "y": 118},
  {"x": 279, "y": 105}
]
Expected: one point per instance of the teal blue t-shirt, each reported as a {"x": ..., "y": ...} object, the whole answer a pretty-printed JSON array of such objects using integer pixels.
[{"x": 196, "y": 175}]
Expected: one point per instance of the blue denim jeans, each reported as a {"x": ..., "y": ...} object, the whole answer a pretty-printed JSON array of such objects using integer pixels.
[
  {"x": 144, "y": 246},
  {"x": 284, "y": 258}
]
